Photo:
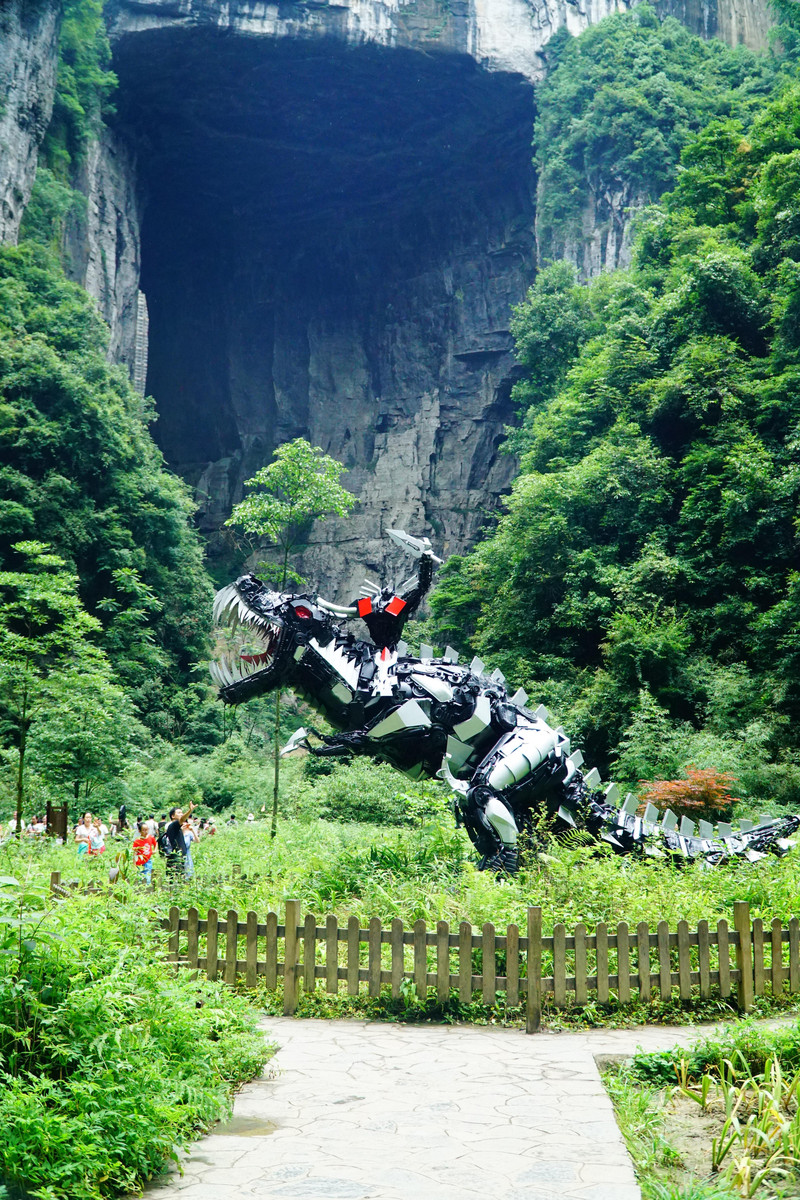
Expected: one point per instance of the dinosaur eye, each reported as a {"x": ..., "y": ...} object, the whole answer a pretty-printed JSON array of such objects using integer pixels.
[{"x": 303, "y": 612}]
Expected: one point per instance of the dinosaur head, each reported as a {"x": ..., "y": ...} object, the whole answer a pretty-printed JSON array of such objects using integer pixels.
[{"x": 265, "y": 629}]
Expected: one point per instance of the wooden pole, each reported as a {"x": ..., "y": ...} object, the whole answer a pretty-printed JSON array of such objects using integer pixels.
[
  {"x": 290, "y": 957},
  {"x": 533, "y": 1001},
  {"x": 744, "y": 953}
]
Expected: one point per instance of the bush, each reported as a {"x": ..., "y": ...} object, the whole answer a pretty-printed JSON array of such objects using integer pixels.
[
  {"x": 109, "y": 1061},
  {"x": 703, "y": 793},
  {"x": 359, "y": 790}
]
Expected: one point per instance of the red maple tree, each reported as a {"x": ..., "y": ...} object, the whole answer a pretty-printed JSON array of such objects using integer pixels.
[{"x": 703, "y": 793}]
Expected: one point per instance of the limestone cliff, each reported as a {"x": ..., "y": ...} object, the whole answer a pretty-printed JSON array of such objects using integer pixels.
[
  {"x": 103, "y": 244},
  {"x": 28, "y": 48}
]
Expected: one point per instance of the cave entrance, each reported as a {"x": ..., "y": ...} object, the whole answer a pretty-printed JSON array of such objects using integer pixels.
[{"x": 332, "y": 238}]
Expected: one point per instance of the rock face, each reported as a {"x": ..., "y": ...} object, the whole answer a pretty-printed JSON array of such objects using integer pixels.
[
  {"x": 103, "y": 245},
  {"x": 28, "y": 46},
  {"x": 605, "y": 239},
  {"x": 330, "y": 207},
  {"x": 332, "y": 241}
]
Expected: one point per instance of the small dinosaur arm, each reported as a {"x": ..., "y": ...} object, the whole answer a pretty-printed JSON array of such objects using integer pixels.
[{"x": 430, "y": 717}]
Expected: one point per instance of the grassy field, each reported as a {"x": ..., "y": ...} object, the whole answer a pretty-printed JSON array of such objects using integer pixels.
[{"x": 429, "y": 872}]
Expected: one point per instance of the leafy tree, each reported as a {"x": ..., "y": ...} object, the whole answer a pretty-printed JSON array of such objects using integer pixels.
[
  {"x": 58, "y": 698},
  {"x": 85, "y": 734},
  {"x": 549, "y": 327},
  {"x": 300, "y": 486}
]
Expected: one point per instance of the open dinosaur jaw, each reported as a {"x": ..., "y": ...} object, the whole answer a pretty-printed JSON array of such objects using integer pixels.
[{"x": 240, "y": 675}]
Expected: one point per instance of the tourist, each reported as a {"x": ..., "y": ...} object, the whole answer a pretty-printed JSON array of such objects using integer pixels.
[
  {"x": 97, "y": 836},
  {"x": 144, "y": 848},
  {"x": 176, "y": 845},
  {"x": 83, "y": 833},
  {"x": 151, "y": 825},
  {"x": 189, "y": 836}
]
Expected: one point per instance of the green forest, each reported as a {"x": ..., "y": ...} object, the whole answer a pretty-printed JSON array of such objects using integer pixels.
[{"x": 641, "y": 579}]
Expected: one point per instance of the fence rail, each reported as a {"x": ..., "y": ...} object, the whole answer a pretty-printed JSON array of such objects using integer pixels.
[{"x": 616, "y": 964}]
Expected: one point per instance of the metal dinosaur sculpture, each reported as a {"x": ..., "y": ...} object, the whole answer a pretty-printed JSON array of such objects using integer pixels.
[{"x": 430, "y": 717}]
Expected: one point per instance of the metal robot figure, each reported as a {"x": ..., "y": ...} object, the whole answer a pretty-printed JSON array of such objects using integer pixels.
[{"x": 431, "y": 717}]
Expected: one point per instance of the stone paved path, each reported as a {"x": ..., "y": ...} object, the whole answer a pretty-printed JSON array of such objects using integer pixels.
[{"x": 353, "y": 1110}]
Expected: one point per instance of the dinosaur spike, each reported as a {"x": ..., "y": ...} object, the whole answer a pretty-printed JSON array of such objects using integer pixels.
[
  {"x": 426, "y": 652},
  {"x": 592, "y": 778},
  {"x": 542, "y": 713},
  {"x": 476, "y": 666},
  {"x": 669, "y": 821},
  {"x": 705, "y": 829},
  {"x": 576, "y": 758},
  {"x": 497, "y": 676},
  {"x": 687, "y": 827},
  {"x": 520, "y": 697},
  {"x": 566, "y": 815},
  {"x": 724, "y": 829},
  {"x": 450, "y": 655},
  {"x": 651, "y": 814},
  {"x": 745, "y": 825}
]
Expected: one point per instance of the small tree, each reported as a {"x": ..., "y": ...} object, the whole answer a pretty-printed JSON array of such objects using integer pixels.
[
  {"x": 702, "y": 794},
  {"x": 82, "y": 739},
  {"x": 300, "y": 486},
  {"x": 50, "y": 667}
]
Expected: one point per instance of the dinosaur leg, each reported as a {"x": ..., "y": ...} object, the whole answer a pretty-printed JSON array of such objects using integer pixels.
[{"x": 492, "y": 830}]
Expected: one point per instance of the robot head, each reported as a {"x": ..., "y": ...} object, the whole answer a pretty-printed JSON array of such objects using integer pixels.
[{"x": 264, "y": 630}]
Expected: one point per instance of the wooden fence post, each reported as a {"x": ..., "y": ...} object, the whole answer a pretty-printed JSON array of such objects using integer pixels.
[
  {"x": 251, "y": 953},
  {"x": 533, "y": 999},
  {"x": 192, "y": 937},
  {"x": 290, "y": 957},
  {"x": 55, "y": 882},
  {"x": 744, "y": 953},
  {"x": 212, "y": 946},
  {"x": 174, "y": 934},
  {"x": 231, "y": 943}
]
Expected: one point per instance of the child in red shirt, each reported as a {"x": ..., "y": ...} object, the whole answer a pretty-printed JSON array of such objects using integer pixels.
[{"x": 144, "y": 847}]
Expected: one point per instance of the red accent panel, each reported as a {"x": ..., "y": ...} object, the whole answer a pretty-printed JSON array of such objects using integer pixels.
[
  {"x": 364, "y": 606},
  {"x": 395, "y": 606},
  {"x": 302, "y": 611}
]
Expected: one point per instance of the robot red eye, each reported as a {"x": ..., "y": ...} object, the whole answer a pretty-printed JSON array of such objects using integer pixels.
[{"x": 303, "y": 612}]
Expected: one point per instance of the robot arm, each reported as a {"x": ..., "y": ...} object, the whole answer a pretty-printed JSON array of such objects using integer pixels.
[{"x": 333, "y": 745}]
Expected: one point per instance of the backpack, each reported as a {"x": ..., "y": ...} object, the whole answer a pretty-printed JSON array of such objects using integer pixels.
[{"x": 165, "y": 846}]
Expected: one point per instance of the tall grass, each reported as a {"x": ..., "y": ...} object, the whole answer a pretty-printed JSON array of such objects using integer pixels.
[
  {"x": 430, "y": 873},
  {"x": 109, "y": 1060}
]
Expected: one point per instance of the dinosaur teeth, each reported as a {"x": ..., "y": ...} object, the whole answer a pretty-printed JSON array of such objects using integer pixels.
[{"x": 220, "y": 601}]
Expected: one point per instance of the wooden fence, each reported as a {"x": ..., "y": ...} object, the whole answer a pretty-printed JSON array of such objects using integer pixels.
[{"x": 614, "y": 964}]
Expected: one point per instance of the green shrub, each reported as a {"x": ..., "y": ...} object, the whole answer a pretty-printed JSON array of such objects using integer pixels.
[
  {"x": 104, "y": 1048},
  {"x": 359, "y": 790}
]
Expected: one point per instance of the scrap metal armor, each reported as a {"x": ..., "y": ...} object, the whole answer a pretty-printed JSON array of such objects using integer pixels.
[{"x": 506, "y": 765}]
